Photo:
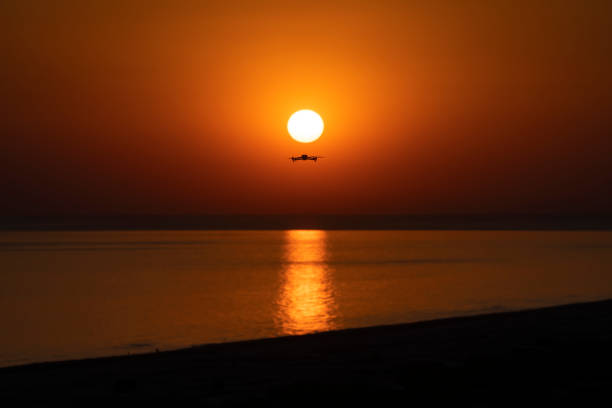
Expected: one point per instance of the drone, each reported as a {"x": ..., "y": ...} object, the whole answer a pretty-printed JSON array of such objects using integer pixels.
[{"x": 305, "y": 157}]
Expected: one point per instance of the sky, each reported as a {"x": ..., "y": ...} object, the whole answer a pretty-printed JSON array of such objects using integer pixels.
[{"x": 430, "y": 107}]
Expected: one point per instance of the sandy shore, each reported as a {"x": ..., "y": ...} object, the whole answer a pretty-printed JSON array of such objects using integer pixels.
[{"x": 544, "y": 357}]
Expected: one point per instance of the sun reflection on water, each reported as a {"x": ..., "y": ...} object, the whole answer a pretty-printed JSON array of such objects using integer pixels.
[{"x": 306, "y": 299}]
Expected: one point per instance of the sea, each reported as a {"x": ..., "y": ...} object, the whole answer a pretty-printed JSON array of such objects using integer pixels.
[{"x": 83, "y": 294}]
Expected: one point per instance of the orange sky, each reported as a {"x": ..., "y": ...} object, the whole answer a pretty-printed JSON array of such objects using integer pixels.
[{"x": 429, "y": 106}]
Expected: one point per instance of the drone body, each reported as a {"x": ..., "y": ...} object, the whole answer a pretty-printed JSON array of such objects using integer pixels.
[{"x": 305, "y": 157}]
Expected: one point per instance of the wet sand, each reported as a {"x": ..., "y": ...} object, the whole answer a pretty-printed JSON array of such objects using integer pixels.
[{"x": 545, "y": 357}]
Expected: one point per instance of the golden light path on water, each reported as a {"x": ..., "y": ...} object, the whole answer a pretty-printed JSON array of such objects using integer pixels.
[{"x": 306, "y": 301}]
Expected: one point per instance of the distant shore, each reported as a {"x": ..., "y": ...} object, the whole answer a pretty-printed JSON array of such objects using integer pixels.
[
  {"x": 544, "y": 357},
  {"x": 310, "y": 221}
]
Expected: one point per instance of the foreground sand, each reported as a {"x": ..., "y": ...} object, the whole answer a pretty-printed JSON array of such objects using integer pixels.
[{"x": 545, "y": 357}]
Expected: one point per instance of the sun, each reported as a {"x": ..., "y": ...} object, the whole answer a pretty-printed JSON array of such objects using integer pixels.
[{"x": 305, "y": 126}]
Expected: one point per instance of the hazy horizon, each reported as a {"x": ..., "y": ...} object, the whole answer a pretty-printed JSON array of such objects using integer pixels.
[{"x": 311, "y": 221}]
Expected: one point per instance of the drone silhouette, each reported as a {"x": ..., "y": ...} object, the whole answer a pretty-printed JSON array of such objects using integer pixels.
[{"x": 305, "y": 157}]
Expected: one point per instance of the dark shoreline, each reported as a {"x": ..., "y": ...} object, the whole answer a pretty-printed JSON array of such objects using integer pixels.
[{"x": 558, "y": 355}]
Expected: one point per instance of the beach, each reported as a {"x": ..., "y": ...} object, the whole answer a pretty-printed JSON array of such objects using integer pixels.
[{"x": 557, "y": 355}]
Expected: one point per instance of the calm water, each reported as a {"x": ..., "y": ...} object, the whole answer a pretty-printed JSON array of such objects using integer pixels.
[{"x": 82, "y": 294}]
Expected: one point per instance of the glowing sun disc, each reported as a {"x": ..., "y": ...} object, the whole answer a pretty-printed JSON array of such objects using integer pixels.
[{"x": 305, "y": 126}]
